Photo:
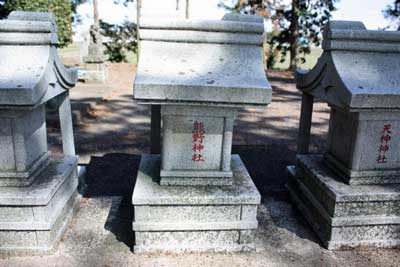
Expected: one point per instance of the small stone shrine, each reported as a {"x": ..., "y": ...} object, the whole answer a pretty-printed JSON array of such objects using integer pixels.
[
  {"x": 196, "y": 196},
  {"x": 351, "y": 194},
  {"x": 37, "y": 190},
  {"x": 94, "y": 61}
]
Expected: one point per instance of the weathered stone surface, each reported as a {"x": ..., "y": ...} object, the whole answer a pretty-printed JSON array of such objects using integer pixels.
[
  {"x": 33, "y": 219},
  {"x": 202, "y": 62},
  {"x": 37, "y": 191},
  {"x": 180, "y": 150},
  {"x": 148, "y": 191},
  {"x": 25, "y": 82},
  {"x": 201, "y": 73},
  {"x": 359, "y": 68},
  {"x": 24, "y": 146},
  {"x": 44, "y": 204},
  {"x": 44, "y": 187},
  {"x": 358, "y": 76},
  {"x": 199, "y": 241},
  {"x": 168, "y": 218},
  {"x": 194, "y": 71},
  {"x": 355, "y": 145},
  {"x": 343, "y": 215},
  {"x": 234, "y": 26}
]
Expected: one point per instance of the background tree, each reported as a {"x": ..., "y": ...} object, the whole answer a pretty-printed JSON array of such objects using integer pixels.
[
  {"x": 122, "y": 38},
  {"x": 392, "y": 12},
  {"x": 296, "y": 25},
  {"x": 62, "y": 10}
]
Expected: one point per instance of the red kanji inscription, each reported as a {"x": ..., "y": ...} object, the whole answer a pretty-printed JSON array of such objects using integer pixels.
[
  {"x": 198, "y": 135},
  {"x": 384, "y": 146}
]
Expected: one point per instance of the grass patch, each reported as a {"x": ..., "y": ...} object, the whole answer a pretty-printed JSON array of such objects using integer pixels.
[{"x": 311, "y": 60}]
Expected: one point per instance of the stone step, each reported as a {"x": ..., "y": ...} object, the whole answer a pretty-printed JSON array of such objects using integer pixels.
[
  {"x": 342, "y": 200},
  {"x": 193, "y": 218},
  {"x": 346, "y": 225}
]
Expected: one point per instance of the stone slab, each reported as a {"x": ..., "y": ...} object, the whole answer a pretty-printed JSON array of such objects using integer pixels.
[
  {"x": 341, "y": 192},
  {"x": 186, "y": 180},
  {"x": 43, "y": 189},
  {"x": 40, "y": 217},
  {"x": 148, "y": 191},
  {"x": 193, "y": 218},
  {"x": 362, "y": 146},
  {"x": 201, "y": 73},
  {"x": 38, "y": 242},
  {"x": 233, "y": 25},
  {"x": 358, "y": 70},
  {"x": 194, "y": 37},
  {"x": 199, "y": 241},
  {"x": 344, "y": 216},
  {"x": 197, "y": 145}
]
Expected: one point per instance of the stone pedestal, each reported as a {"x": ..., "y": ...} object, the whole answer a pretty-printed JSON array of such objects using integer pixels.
[
  {"x": 344, "y": 216},
  {"x": 196, "y": 196},
  {"x": 38, "y": 191},
  {"x": 193, "y": 218},
  {"x": 96, "y": 72},
  {"x": 350, "y": 195},
  {"x": 94, "y": 62},
  {"x": 33, "y": 218},
  {"x": 197, "y": 145}
]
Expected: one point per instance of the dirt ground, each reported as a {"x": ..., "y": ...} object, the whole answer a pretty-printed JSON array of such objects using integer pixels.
[{"x": 115, "y": 134}]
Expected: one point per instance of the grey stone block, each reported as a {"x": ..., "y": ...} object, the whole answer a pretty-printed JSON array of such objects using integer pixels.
[
  {"x": 205, "y": 73},
  {"x": 148, "y": 191},
  {"x": 33, "y": 219},
  {"x": 193, "y": 218},
  {"x": 26, "y": 82},
  {"x": 359, "y": 68},
  {"x": 344, "y": 216},
  {"x": 199, "y": 241},
  {"x": 234, "y": 25},
  {"x": 354, "y": 143},
  {"x": 183, "y": 145},
  {"x": 24, "y": 141}
]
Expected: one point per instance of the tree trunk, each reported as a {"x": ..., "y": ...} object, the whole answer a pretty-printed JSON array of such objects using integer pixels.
[{"x": 294, "y": 34}]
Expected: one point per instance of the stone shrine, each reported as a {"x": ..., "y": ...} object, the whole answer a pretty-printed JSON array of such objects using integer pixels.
[
  {"x": 196, "y": 196},
  {"x": 37, "y": 190},
  {"x": 94, "y": 61},
  {"x": 351, "y": 194}
]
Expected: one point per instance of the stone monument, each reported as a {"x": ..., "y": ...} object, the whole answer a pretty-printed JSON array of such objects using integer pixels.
[
  {"x": 196, "y": 196},
  {"x": 351, "y": 194},
  {"x": 94, "y": 61},
  {"x": 37, "y": 190}
]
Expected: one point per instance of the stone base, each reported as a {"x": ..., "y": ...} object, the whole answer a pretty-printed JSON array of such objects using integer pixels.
[
  {"x": 344, "y": 216},
  {"x": 95, "y": 73},
  {"x": 353, "y": 177},
  {"x": 27, "y": 177},
  {"x": 193, "y": 218},
  {"x": 33, "y": 218}
]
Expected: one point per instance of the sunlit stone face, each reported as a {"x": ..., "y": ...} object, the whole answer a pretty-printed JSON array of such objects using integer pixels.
[{"x": 196, "y": 141}]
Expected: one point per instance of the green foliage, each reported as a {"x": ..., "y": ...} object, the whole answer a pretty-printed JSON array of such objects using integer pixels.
[
  {"x": 392, "y": 12},
  {"x": 62, "y": 9},
  {"x": 122, "y": 38},
  {"x": 297, "y": 26}
]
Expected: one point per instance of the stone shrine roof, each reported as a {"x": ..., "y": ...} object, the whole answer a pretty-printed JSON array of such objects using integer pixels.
[
  {"x": 202, "y": 61},
  {"x": 31, "y": 71},
  {"x": 359, "y": 68}
]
